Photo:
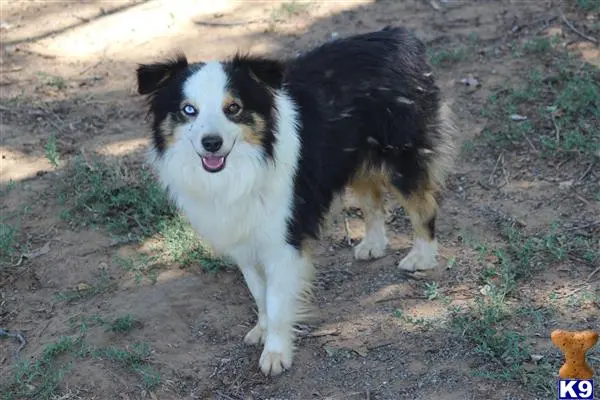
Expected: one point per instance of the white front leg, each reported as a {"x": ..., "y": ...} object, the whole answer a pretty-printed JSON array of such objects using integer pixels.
[
  {"x": 288, "y": 276},
  {"x": 255, "y": 280}
]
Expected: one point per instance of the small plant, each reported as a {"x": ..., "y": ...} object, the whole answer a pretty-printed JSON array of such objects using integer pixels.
[
  {"x": 52, "y": 80},
  {"x": 122, "y": 324},
  {"x": 134, "y": 358},
  {"x": 7, "y": 241},
  {"x": 51, "y": 151},
  {"x": 432, "y": 291},
  {"x": 446, "y": 57}
]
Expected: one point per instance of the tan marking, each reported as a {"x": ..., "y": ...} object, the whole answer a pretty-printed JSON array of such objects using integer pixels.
[
  {"x": 167, "y": 130},
  {"x": 228, "y": 99},
  {"x": 421, "y": 206},
  {"x": 254, "y": 132}
]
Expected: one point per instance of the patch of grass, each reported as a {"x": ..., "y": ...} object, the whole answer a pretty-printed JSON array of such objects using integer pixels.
[
  {"x": 84, "y": 290},
  {"x": 181, "y": 244},
  {"x": 52, "y": 80},
  {"x": 111, "y": 194},
  {"x": 140, "y": 266},
  {"x": 40, "y": 378},
  {"x": 51, "y": 151},
  {"x": 563, "y": 98},
  {"x": 7, "y": 241},
  {"x": 589, "y": 5},
  {"x": 446, "y": 57},
  {"x": 539, "y": 45},
  {"x": 289, "y": 9},
  {"x": 122, "y": 324},
  {"x": 421, "y": 322},
  {"x": 494, "y": 326},
  {"x": 132, "y": 206},
  {"x": 135, "y": 358}
]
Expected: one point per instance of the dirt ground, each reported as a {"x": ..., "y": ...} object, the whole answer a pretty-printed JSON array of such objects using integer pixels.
[{"x": 519, "y": 228}]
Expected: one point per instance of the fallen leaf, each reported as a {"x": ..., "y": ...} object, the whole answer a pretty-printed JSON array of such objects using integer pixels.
[
  {"x": 82, "y": 286},
  {"x": 536, "y": 357},
  {"x": 331, "y": 351},
  {"x": 492, "y": 258},
  {"x": 325, "y": 332},
  {"x": 361, "y": 350},
  {"x": 38, "y": 252},
  {"x": 486, "y": 290},
  {"x": 565, "y": 184},
  {"x": 518, "y": 117},
  {"x": 470, "y": 81}
]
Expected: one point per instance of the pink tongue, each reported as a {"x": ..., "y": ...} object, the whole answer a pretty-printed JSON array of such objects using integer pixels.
[{"x": 213, "y": 162}]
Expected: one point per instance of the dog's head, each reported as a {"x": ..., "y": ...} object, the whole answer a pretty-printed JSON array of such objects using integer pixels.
[{"x": 219, "y": 115}]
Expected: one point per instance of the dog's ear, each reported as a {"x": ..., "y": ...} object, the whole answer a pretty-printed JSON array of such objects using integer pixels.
[
  {"x": 151, "y": 77},
  {"x": 267, "y": 71}
]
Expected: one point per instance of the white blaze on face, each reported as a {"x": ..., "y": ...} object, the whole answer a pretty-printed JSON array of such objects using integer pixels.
[{"x": 206, "y": 90}]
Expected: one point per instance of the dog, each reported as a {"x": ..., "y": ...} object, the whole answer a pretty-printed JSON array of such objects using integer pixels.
[{"x": 254, "y": 150}]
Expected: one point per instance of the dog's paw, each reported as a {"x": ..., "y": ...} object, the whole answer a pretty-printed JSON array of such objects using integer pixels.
[
  {"x": 274, "y": 363},
  {"x": 370, "y": 249},
  {"x": 421, "y": 257},
  {"x": 255, "y": 336}
]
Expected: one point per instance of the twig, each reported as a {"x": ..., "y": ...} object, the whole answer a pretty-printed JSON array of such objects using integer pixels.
[
  {"x": 587, "y": 171},
  {"x": 556, "y": 128},
  {"x": 490, "y": 179},
  {"x": 592, "y": 274},
  {"x": 530, "y": 143},
  {"x": 347, "y": 229},
  {"x": 326, "y": 332},
  {"x": 574, "y": 228},
  {"x": 229, "y": 23},
  {"x": 14, "y": 69},
  {"x": 570, "y": 25},
  {"x": 393, "y": 298},
  {"x": 91, "y": 67},
  {"x": 380, "y": 345},
  {"x": 19, "y": 336}
]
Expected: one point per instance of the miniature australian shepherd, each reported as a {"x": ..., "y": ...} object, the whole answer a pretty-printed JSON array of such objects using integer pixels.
[{"x": 254, "y": 151}]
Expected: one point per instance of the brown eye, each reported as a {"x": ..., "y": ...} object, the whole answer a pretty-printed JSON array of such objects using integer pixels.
[{"x": 233, "y": 109}]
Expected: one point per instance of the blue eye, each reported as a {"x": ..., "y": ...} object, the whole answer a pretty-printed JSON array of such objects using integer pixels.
[{"x": 189, "y": 110}]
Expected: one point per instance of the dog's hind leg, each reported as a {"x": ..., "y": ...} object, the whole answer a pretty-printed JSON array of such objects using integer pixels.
[
  {"x": 369, "y": 191},
  {"x": 422, "y": 209}
]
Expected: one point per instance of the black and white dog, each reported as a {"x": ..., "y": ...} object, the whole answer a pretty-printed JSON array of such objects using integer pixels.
[{"x": 254, "y": 150}]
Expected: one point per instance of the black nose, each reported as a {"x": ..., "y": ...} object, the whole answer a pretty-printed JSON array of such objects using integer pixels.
[{"x": 212, "y": 143}]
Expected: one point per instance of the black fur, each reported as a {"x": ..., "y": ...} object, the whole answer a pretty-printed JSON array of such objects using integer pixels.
[
  {"x": 163, "y": 83},
  {"x": 369, "y": 98},
  {"x": 253, "y": 81}
]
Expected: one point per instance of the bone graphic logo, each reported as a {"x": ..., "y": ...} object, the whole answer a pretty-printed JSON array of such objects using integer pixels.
[
  {"x": 574, "y": 345},
  {"x": 576, "y": 374}
]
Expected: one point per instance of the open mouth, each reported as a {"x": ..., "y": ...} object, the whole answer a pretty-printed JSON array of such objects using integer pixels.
[{"x": 213, "y": 163}]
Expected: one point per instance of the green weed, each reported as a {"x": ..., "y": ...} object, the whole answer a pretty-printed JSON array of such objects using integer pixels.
[
  {"x": 122, "y": 324},
  {"x": 7, "y": 241},
  {"x": 446, "y": 57},
  {"x": 52, "y": 80},
  {"x": 589, "y": 5},
  {"x": 51, "y": 151},
  {"x": 561, "y": 103},
  {"x": 134, "y": 358},
  {"x": 39, "y": 379}
]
